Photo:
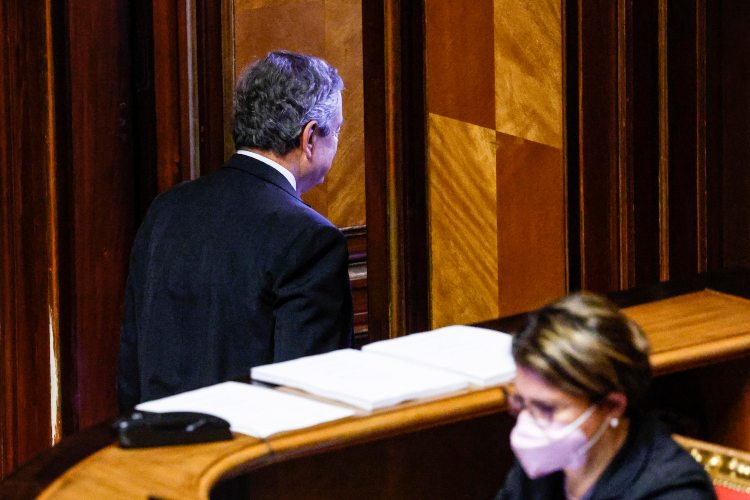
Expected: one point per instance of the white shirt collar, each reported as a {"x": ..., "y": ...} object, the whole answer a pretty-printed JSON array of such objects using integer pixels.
[{"x": 286, "y": 173}]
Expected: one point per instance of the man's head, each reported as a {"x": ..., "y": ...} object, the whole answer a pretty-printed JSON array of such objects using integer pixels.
[{"x": 287, "y": 102}]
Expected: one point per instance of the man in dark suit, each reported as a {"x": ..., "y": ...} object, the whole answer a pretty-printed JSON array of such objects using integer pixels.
[{"x": 233, "y": 269}]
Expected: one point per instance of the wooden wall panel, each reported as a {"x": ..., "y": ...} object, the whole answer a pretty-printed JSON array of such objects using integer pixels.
[
  {"x": 344, "y": 185},
  {"x": 460, "y": 60},
  {"x": 463, "y": 222},
  {"x": 641, "y": 67},
  {"x": 683, "y": 122},
  {"x": 528, "y": 70},
  {"x": 597, "y": 137},
  {"x": 29, "y": 267},
  {"x": 734, "y": 22},
  {"x": 494, "y": 80},
  {"x": 99, "y": 197},
  {"x": 530, "y": 224},
  {"x": 331, "y": 29}
]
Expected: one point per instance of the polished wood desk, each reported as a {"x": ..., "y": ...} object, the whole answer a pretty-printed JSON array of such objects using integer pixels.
[{"x": 451, "y": 447}]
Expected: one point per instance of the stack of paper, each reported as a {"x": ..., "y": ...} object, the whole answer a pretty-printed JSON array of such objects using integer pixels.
[
  {"x": 366, "y": 380},
  {"x": 251, "y": 410},
  {"x": 482, "y": 355}
]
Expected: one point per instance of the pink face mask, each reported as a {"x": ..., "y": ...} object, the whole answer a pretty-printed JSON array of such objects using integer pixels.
[{"x": 543, "y": 450}]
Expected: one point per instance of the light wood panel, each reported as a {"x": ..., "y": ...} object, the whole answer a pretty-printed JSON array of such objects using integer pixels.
[
  {"x": 498, "y": 70},
  {"x": 463, "y": 228},
  {"x": 528, "y": 70}
]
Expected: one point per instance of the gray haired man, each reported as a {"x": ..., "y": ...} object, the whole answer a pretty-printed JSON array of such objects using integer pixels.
[{"x": 233, "y": 270}]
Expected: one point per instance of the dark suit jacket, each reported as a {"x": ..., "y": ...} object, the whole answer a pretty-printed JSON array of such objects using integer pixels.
[
  {"x": 650, "y": 465},
  {"x": 229, "y": 271}
]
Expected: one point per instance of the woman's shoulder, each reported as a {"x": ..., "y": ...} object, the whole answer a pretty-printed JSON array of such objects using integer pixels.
[{"x": 658, "y": 467}]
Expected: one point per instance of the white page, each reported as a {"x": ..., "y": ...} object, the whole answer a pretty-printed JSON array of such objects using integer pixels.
[
  {"x": 255, "y": 411},
  {"x": 481, "y": 354},
  {"x": 364, "y": 380}
]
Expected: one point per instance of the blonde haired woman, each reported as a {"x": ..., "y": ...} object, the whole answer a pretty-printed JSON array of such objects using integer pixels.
[{"x": 583, "y": 369}]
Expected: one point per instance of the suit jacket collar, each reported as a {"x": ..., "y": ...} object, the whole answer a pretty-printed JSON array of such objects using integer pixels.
[{"x": 260, "y": 170}]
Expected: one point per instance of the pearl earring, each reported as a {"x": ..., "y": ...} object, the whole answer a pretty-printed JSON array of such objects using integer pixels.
[{"x": 614, "y": 422}]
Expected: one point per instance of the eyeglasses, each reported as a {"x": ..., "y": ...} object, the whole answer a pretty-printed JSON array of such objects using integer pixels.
[{"x": 542, "y": 412}]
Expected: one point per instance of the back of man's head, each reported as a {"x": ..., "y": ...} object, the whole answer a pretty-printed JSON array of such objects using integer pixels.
[{"x": 277, "y": 96}]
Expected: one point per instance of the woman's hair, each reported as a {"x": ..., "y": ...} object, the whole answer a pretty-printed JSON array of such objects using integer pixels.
[
  {"x": 277, "y": 96},
  {"x": 584, "y": 346}
]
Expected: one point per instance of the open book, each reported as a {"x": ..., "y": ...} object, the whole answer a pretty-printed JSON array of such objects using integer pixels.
[
  {"x": 482, "y": 355},
  {"x": 251, "y": 410},
  {"x": 392, "y": 371}
]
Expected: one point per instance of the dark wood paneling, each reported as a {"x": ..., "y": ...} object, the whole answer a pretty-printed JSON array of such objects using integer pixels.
[
  {"x": 99, "y": 194},
  {"x": 643, "y": 72},
  {"x": 735, "y": 104},
  {"x": 683, "y": 122},
  {"x": 144, "y": 123},
  {"x": 28, "y": 308},
  {"x": 172, "y": 86},
  {"x": 571, "y": 149},
  {"x": 598, "y": 142},
  {"x": 413, "y": 169},
  {"x": 395, "y": 183},
  {"x": 374, "y": 76},
  {"x": 210, "y": 81}
]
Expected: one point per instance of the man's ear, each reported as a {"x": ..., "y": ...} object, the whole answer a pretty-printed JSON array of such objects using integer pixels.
[{"x": 306, "y": 138}]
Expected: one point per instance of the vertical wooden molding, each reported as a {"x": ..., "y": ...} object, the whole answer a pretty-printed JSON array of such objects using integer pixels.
[
  {"x": 625, "y": 143},
  {"x": 395, "y": 183},
  {"x": 598, "y": 140},
  {"x": 53, "y": 269},
  {"x": 393, "y": 160},
  {"x": 175, "y": 92},
  {"x": 190, "y": 119},
  {"x": 28, "y": 239},
  {"x": 663, "y": 145},
  {"x": 701, "y": 136},
  {"x": 376, "y": 197},
  {"x": 571, "y": 143},
  {"x": 228, "y": 70}
]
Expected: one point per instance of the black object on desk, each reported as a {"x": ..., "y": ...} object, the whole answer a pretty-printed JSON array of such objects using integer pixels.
[{"x": 143, "y": 429}]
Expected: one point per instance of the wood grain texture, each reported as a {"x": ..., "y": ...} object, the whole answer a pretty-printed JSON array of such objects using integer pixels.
[
  {"x": 463, "y": 222},
  {"x": 530, "y": 224},
  {"x": 114, "y": 472},
  {"x": 528, "y": 70},
  {"x": 100, "y": 196},
  {"x": 29, "y": 263},
  {"x": 345, "y": 183},
  {"x": 460, "y": 60},
  {"x": 694, "y": 329}
]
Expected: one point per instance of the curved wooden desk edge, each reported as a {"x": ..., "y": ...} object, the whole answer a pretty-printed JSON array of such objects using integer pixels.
[
  {"x": 405, "y": 418},
  {"x": 113, "y": 472},
  {"x": 696, "y": 356}
]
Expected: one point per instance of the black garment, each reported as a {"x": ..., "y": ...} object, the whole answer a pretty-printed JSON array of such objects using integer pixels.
[
  {"x": 649, "y": 465},
  {"x": 229, "y": 271}
]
